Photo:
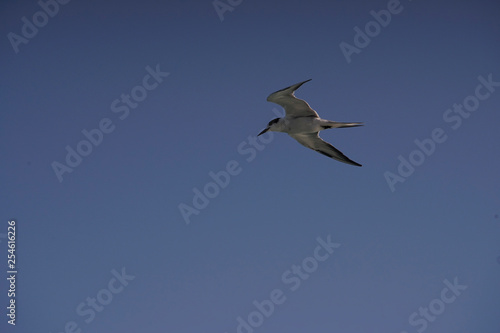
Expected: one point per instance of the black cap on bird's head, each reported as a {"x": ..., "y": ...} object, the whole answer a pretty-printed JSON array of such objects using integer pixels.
[{"x": 269, "y": 125}]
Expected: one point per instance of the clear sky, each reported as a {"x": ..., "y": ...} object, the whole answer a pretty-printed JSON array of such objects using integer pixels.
[{"x": 144, "y": 203}]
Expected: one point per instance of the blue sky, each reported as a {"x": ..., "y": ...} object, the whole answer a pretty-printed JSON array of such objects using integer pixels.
[{"x": 172, "y": 93}]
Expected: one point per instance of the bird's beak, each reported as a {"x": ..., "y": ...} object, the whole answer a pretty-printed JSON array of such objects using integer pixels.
[{"x": 264, "y": 131}]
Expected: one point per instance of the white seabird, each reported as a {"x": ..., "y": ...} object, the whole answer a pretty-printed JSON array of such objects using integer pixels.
[{"x": 303, "y": 123}]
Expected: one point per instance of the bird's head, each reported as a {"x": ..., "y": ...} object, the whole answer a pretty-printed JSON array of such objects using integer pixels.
[{"x": 272, "y": 126}]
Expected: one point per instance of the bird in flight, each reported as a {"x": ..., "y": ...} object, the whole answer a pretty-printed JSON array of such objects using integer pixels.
[{"x": 303, "y": 123}]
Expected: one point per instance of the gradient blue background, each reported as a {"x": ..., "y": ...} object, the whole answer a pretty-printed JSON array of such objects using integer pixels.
[{"x": 119, "y": 208}]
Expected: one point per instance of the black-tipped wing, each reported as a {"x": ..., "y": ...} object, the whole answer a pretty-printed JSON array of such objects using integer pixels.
[
  {"x": 293, "y": 106},
  {"x": 314, "y": 142}
]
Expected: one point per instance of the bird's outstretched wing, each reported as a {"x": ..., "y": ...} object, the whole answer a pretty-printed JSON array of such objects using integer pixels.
[
  {"x": 313, "y": 141},
  {"x": 293, "y": 106}
]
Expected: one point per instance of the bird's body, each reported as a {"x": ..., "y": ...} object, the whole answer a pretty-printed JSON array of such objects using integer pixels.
[{"x": 303, "y": 123}]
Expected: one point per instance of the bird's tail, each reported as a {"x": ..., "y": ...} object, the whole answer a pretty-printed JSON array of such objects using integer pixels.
[{"x": 336, "y": 124}]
